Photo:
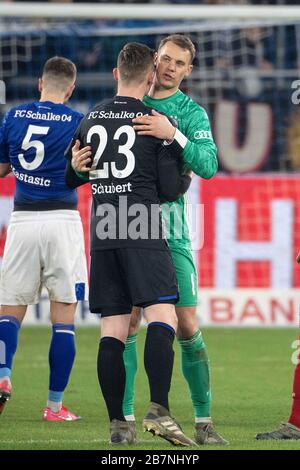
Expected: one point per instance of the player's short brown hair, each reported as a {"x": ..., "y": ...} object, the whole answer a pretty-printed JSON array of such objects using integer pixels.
[
  {"x": 181, "y": 40},
  {"x": 60, "y": 69},
  {"x": 134, "y": 62}
]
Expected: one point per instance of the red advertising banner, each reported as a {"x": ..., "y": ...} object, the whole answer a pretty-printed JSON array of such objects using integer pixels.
[
  {"x": 251, "y": 232},
  {"x": 251, "y": 229},
  {"x": 7, "y": 187}
]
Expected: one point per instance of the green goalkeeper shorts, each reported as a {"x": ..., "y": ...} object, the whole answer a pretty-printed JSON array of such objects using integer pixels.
[{"x": 187, "y": 278}]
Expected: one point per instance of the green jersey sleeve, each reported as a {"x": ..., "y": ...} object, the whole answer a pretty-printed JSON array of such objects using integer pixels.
[{"x": 200, "y": 151}]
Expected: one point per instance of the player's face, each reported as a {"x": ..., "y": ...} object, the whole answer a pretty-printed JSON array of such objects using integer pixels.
[{"x": 173, "y": 65}]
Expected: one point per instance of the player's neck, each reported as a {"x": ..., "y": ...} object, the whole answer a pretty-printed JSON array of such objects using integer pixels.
[
  {"x": 133, "y": 92},
  {"x": 158, "y": 92},
  {"x": 54, "y": 98}
]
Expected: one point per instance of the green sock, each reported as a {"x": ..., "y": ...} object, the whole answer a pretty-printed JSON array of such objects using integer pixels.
[
  {"x": 195, "y": 368},
  {"x": 131, "y": 363}
]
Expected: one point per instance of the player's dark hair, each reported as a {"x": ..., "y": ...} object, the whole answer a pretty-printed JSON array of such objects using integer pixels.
[
  {"x": 134, "y": 62},
  {"x": 181, "y": 40},
  {"x": 60, "y": 68}
]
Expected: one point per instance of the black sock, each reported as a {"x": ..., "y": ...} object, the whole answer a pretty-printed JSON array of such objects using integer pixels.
[
  {"x": 158, "y": 360},
  {"x": 111, "y": 375}
]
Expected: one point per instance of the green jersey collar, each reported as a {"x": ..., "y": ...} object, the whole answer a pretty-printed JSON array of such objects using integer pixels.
[{"x": 158, "y": 100}]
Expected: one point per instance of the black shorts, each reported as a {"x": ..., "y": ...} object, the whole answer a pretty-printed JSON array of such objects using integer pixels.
[{"x": 125, "y": 277}]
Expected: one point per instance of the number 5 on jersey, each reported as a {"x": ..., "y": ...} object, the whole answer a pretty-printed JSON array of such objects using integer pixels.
[{"x": 37, "y": 144}]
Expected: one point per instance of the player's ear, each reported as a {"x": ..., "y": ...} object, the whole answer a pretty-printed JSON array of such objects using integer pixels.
[
  {"x": 151, "y": 77},
  {"x": 116, "y": 74},
  {"x": 40, "y": 85},
  {"x": 189, "y": 70},
  {"x": 69, "y": 92}
]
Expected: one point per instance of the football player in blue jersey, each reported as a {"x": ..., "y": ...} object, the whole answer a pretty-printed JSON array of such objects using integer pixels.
[{"x": 44, "y": 245}]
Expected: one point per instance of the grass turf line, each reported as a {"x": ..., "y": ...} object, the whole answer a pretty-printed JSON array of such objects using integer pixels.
[{"x": 251, "y": 377}]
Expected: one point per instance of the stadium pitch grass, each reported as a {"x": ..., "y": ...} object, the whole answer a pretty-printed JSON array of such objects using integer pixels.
[{"x": 251, "y": 377}]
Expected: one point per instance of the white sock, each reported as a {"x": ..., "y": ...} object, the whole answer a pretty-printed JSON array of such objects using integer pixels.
[
  {"x": 203, "y": 420},
  {"x": 130, "y": 418},
  {"x": 54, "y": 406}
]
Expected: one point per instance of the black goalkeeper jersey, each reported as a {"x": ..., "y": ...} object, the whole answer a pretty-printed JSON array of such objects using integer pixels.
[{"x": 130, "y": 175}]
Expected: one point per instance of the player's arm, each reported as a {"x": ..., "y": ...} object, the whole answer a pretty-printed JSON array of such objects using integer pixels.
[
  {"x": 76, "y": 169},
  {"x": 197, "y": 147},
  {"x": 172, "y": 184},
  {"x": 160, "y": 126},
  {"x": 5, "y": 169}
]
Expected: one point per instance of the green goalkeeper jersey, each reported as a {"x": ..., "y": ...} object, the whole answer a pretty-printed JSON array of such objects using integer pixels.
[{"x": 199, "y": 155}]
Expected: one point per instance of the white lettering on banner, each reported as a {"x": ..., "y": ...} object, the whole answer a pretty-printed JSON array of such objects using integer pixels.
[
  {"x": 6, "y": 204},
  {"x": 255, "y": 149},
  {"x": 249, "y": 307},
  {"x": 279, "y": 251}
]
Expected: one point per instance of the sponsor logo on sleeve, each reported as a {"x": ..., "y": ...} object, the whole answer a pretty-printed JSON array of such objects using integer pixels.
[{"x": 202, "y": 135}]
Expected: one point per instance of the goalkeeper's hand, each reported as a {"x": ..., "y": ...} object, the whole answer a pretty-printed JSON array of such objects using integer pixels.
[
  {"x": 157, "y": 125},
  {"x": 81, "y": 158}
]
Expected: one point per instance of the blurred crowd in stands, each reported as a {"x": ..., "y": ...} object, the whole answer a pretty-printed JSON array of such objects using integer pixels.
[{"x": 244, "y": 64}]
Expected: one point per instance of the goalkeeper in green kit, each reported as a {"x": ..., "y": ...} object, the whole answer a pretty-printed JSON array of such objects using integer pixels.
[{"x": 174, "y": 63}]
